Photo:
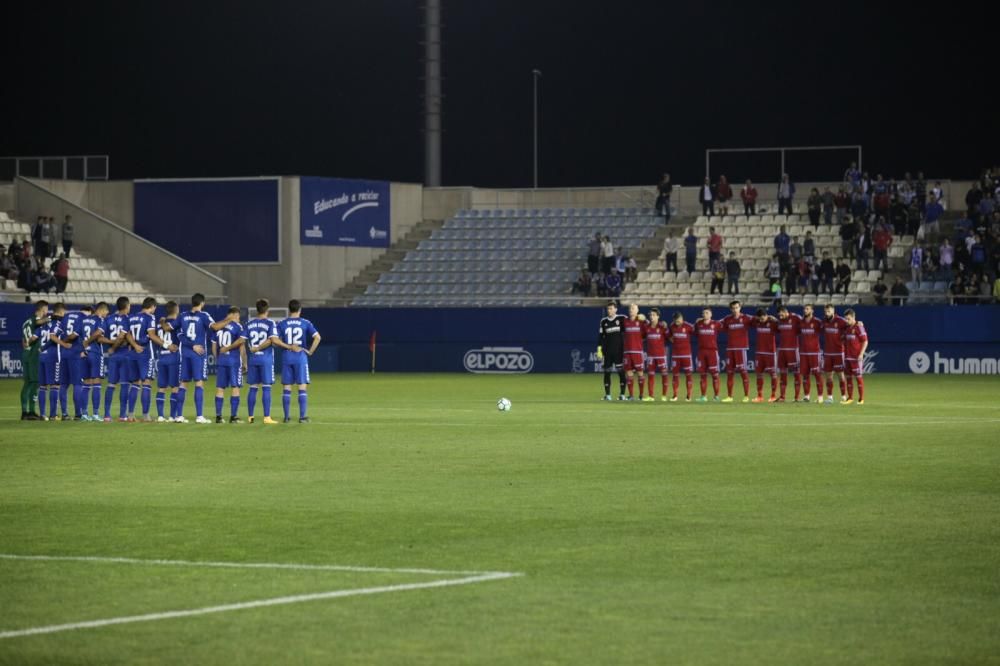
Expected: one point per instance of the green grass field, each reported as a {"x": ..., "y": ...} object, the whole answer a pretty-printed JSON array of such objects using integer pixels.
[{"x": 645, "y": 533}]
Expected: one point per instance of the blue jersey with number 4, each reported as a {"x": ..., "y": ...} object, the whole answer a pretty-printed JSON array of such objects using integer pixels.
[
  {"x": 194, "y": 330},
  {"x": 258, "y": 331},
  {"x": 296, "y": 331}
]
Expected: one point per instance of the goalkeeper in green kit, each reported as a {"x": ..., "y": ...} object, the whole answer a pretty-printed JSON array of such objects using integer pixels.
[{"x": 29, "y": 361}]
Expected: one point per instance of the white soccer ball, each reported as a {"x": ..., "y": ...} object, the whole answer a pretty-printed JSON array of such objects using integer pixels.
[{"x": 503, "y": 404}]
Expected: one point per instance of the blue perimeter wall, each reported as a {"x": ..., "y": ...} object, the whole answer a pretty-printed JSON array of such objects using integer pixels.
[{"x": 936, "y": 339}]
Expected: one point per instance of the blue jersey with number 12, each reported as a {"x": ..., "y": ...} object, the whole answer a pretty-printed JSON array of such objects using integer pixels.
[{"x": 296, "y": 331}]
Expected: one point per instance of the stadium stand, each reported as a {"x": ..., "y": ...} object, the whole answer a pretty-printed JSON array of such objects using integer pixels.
[
  {"x": 752, "y": 240},
  {"x": 506, "y": 257},
  {"x": 89, "y": 281}
]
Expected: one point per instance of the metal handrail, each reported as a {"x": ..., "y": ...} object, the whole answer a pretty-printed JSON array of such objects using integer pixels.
[{"x": 65, "y": 160}]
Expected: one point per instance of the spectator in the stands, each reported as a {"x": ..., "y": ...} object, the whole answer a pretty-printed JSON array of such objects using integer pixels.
[
  {"x": 583, "y": 283},
  {"x": 914, "y": 218},
  {"x": 842, "y": 203},
  {"x": 672, "y": 246},
  {"x": 36, "y": 233},
  {"x": 977, "y": 254},
  {"x": 60, "y": 270},
  {"x": 706, "y": 197},
  {"x": 932, "y": 217},
  {"x": 663, "y": 192},
  {"x": 786, "y": 192},
  {"x": 607, "y": 255},
  {"x": 899, "y": 292},
  {"x": 866, "y": 189},
  {"x": 864, "y": 247},
  {"x": 809, "y": 246},
  {"x": 723, "y": 193},
  {"x": 795, "y": 250},
  {"x": 814, "y": 276},
  {"x": 972, "y": 199},
  {"x": 594, "y": 254},
  {"x": 733, "y": 270},
  {"x": 986, "y": 206},
  {"x": 898, "y": 216},
  {"x": 51, "y": 229},
  {"x": 714, "y": 245},
  {"x": 782, "y": 242},
  {"x": 848, "y": 237},
  {"x": 691, "y": 250},
  {"x": 631, "y": 268},
  {"x": 946, "y": 257},
  {"x": 937, "y": 192},
  {"x": 881, "y": 197},
  {"x": 749, "y": 196},
  {"x": 906, "y": 194},
  {"x": 621, "y": 258},
  {"x": 600, "y": 285},
  {"x": 815, "y": 205},
  {"x": 613, "y": 284},
  {"x": 859, "y": 206},
  {"x": 996, "y": 290},
  {"x": 42, "y": 280},
  {"x": 881, "y": 241},
  {"x": 916, "y": 263},
  {"x": 800, "y": 273},
  {"x": 827, "y": 272},
  {"x": 8, "y": 269},
  {"x": 773, "y": 270},
  {"x": 852, "y": 175},
  {"x": 843, "y": 276},
  {"x": 985, "y": 290},
  {"x": 829, "y": 205},
  {"x": 879, "y": 290},
  {"x": 717, "y": 267},
  {"x": 957, "y": 291}
]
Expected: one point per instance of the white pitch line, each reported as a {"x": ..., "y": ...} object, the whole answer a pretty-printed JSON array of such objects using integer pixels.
[
  {"x": 244, "y": 565},
  {"x": 260, "y": 603}
]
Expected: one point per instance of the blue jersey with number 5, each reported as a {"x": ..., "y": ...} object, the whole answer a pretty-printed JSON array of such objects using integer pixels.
[{"x": 296, "y": 331}]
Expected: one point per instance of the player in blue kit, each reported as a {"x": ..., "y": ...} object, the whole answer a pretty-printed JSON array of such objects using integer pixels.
[
  {"x": 260, "y": 332},
  {"x": 143, "y": 339},
  {"x": 230, "y": 354},
  {"x": 168, "y": 366},
  {"x": 116, "y": 330},
  {"x": 94, "y": 344},
  {"x": 50, "y": 348},
  {"x": 74, "y": 362},
  {"x": 193, "y": 330},
  {"x": 294, "y": 334}
]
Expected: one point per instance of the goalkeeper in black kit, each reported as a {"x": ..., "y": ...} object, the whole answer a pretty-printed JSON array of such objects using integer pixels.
[{"x": 610, "y": 348}]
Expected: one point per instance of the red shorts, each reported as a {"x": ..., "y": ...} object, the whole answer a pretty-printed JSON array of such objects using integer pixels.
[
  {"x": 656, "y": 364},
  {"x": 708, "y": 361},
  {"x": 788, "y": 359},
  {"x": 810, "y": 363},
  {"x": 833, "y": 362},
  {"x": 766, "y": 362},
  {"x": 855, "y": 368},
  {"x": 736, "y": 359},
  {"x": 682, "y": 363},
  {"x": 632, "y": 361}
]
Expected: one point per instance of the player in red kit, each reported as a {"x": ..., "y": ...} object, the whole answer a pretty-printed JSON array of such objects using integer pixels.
[
  {"x": 737, "y": 328},
  {"x": 656, "y": 353},
  {"x": 708, "y": 352},
  {"x": 766, "y": 356},
  {"x": 681, "y": 335},
  {"x": 788, "y": 350},
  {"x": 811, "y": 358},
  {"x": 632, "y": 332},
  {"x": 855, "y": 345},
  {"x": 833, "y": 352}
]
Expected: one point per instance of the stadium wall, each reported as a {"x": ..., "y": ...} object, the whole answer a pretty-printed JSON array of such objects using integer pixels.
[
  {"x": 915, "y": 339},
  {"x": 7, "y": 198}
]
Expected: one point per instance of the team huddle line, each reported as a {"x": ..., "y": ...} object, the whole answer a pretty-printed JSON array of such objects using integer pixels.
[
  {"x": 81, "y": 349},
  {"x": 789, "y": 344}
]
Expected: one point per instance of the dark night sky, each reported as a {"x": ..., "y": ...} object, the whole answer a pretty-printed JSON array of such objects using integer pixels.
[{"x": 630, "y": 89}]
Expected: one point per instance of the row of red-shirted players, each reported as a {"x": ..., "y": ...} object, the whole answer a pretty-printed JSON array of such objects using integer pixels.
[{"x": 787, "y": 345}]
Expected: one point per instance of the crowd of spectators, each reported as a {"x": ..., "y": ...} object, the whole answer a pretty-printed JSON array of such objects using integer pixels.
[
  {"x": 35, "y": 264},
  {"x": 608, "y": 269}
]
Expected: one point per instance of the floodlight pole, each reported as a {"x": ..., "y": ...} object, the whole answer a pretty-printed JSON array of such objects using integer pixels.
[
  {"x": 432, "y": 93},
  {"x": 535, "y": 75}
]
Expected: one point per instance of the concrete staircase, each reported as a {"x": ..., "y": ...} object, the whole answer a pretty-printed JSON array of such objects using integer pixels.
[{"x": 420, "y": 231}]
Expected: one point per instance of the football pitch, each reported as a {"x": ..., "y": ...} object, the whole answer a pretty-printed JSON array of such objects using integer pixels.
[{"x": 411, "y": 522}]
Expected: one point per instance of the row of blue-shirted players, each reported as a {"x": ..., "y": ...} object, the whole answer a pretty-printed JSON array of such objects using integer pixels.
[{"x": 81, "y": 349}]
